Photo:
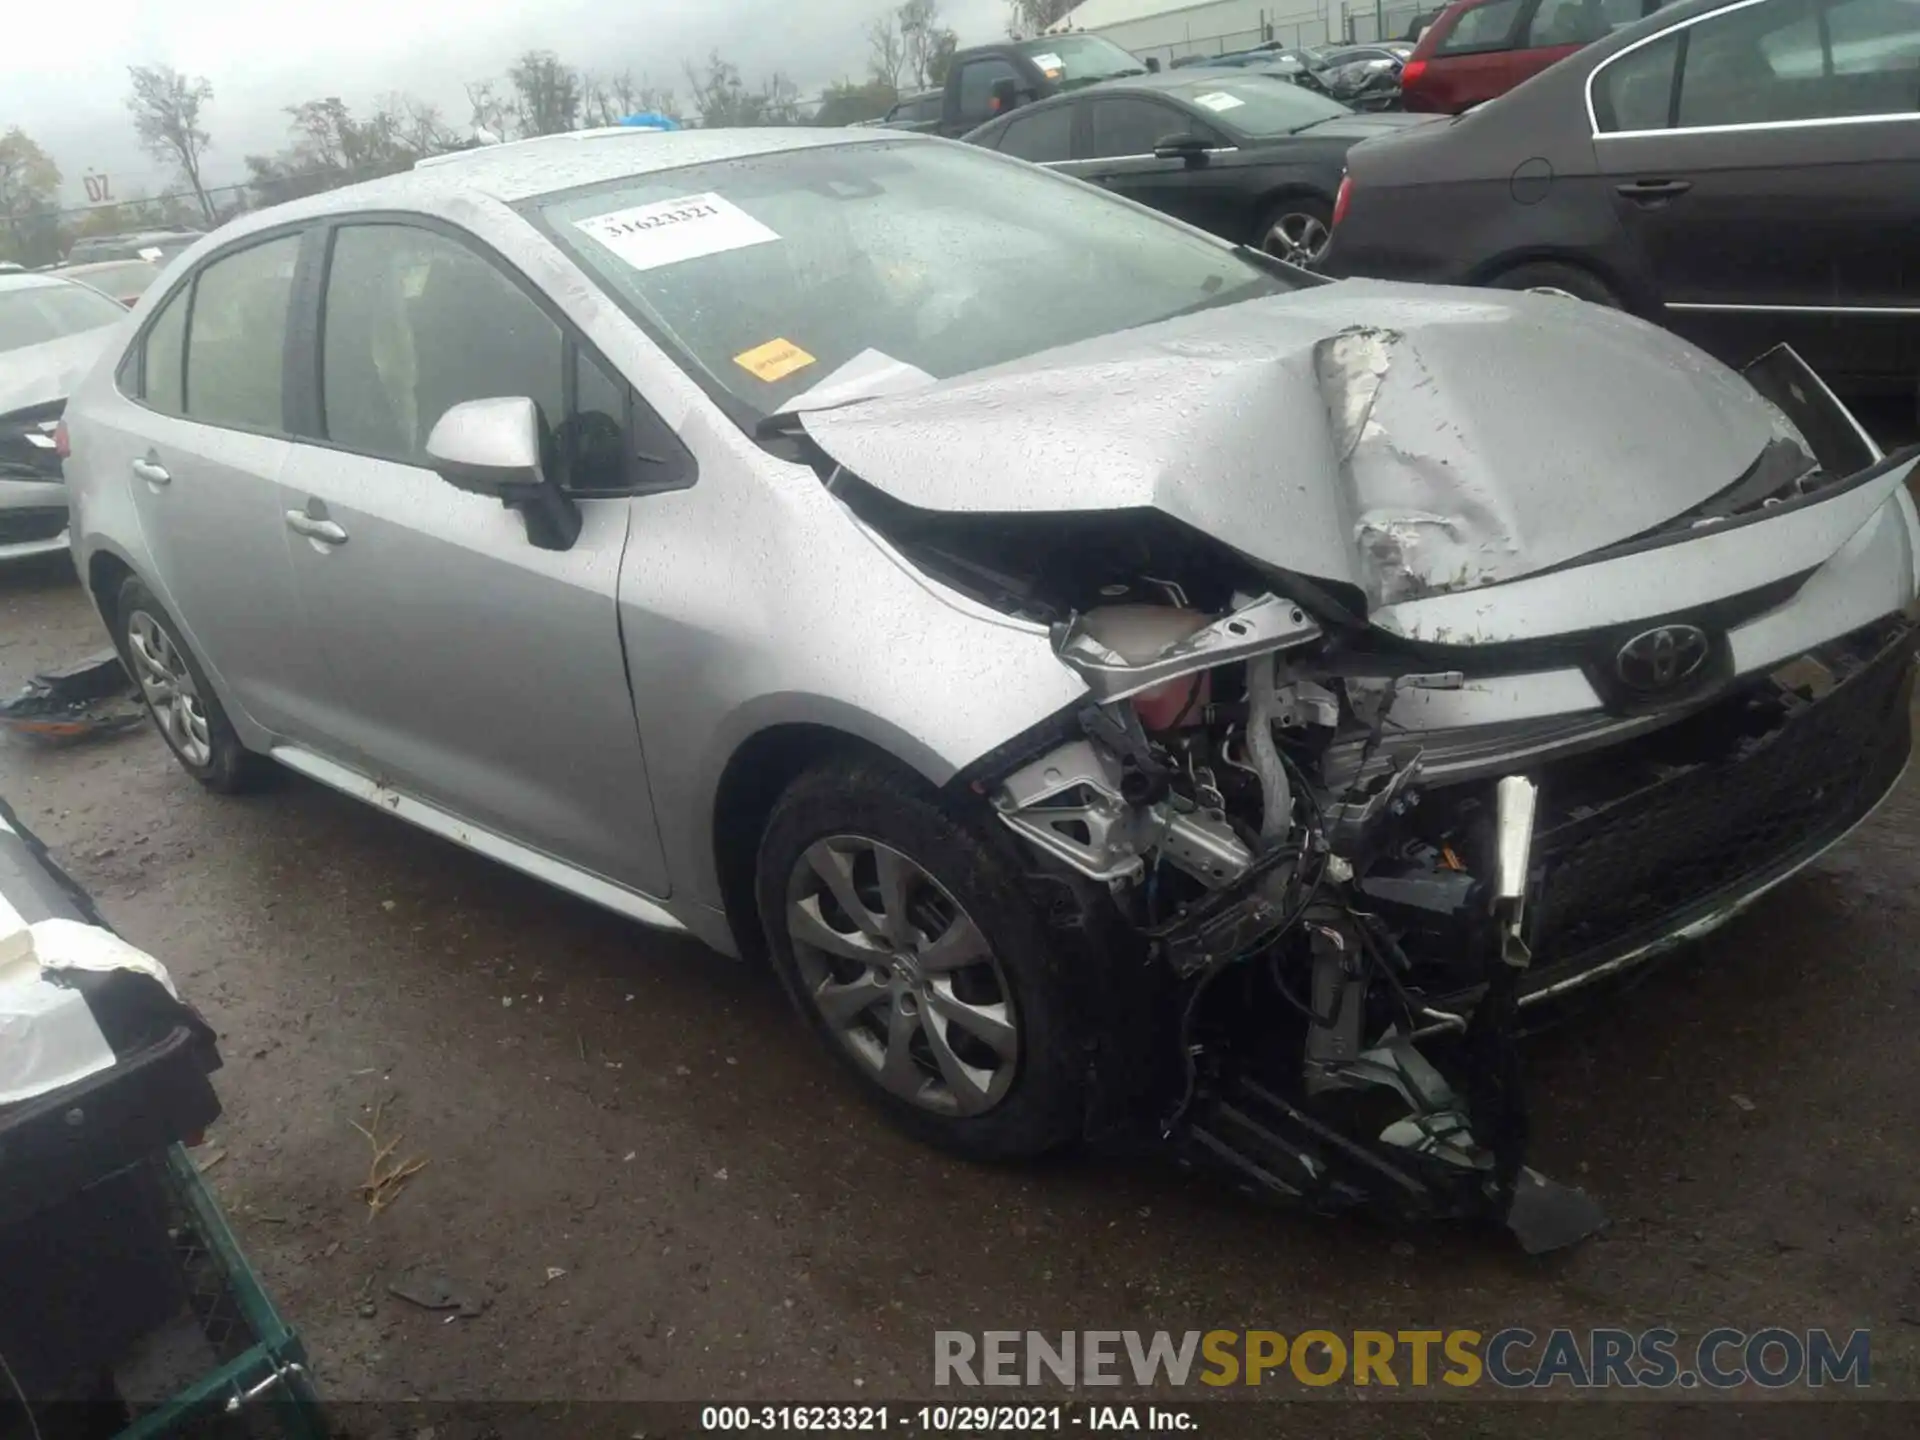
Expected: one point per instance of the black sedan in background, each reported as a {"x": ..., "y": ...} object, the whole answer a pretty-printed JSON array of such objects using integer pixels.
[
  {"x": 1246, "y": 156},
  {"x": 1745, "y": 172}
]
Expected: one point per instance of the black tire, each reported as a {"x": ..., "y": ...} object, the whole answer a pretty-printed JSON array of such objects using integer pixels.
[
  {"x": 871, "y": 800},
  {"x": 229, "y": 767},
  {"x": 1289, "y": 212},
  {"x": 1554, "y": 277}
]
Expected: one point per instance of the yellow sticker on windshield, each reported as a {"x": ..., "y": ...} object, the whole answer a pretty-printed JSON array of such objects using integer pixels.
[{"x": 774, "y": 360}]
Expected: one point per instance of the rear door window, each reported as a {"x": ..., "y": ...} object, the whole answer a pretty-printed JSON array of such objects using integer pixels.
[
  {"x": 164, "y": 383},
  {"x": 1802, "y": 60},
  {"x": 237, "y": 337},
  {"x": 1485, "y": 27},
  {"x": 1635, "y": 92},
  {"x": 1043, "y": 136},
  {"x": 1134, "y": 127},
  {"x": 1579, "y": 22}
]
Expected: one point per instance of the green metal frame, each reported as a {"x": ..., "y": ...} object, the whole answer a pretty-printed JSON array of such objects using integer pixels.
[{"x": 270, "y": 1376}]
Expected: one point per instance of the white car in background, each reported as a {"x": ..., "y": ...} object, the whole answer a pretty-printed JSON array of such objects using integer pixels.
[{"x": 52, "y": 329}]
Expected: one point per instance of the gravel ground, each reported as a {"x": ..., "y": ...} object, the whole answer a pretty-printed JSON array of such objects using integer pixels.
[{"x": 651, "y": 1188}]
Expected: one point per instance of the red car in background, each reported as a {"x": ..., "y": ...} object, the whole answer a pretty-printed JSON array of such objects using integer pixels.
[{"x": 1478, "y": 49}]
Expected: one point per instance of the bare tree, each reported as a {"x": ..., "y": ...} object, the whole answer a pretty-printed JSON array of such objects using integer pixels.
[
  {"x": 29, "y": 187},
  {"x": 29, "y": 180},
  {"x": 491, "y": 111},
  {"x": 166, "y": 113},
  {"x": 721, "y": 97},
  {"x": 412, "y": 125},
  {"x": 887, "y": 51},
  {"x": 1032, "y": 17},
  {"x": 779, "y": 100},
  {"x": 547, "y": 93},
  {"x": 928, "y": 43}
]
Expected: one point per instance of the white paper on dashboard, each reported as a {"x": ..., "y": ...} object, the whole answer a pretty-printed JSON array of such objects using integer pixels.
[
  {"x": 668, "y": 232},
  {"x": 867, "y": 376}
]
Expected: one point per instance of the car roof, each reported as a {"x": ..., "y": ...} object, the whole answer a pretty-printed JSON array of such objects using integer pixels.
[
  {"x": 522, "y": 169},
  {"x": 1181, "y": 79},
  {"x": 30, "y": 280},
  {"x": 94, "y": 267}
]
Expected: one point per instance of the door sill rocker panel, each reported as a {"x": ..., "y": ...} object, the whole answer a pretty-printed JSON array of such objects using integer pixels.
[{"x": 478, "y": 839}]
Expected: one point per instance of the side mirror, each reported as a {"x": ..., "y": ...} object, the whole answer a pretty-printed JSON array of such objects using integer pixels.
[
  {"x": 1006, "y": 96},
  {"x": 492, "y": 447},
  {"x": 1190, "y": 148},
  {"x": 1153, "y": 65}
]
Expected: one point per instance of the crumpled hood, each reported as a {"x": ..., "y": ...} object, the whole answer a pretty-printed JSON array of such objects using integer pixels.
[
  {"x": 38, "y": 374},
  {"x": 1402, "y": 440}
]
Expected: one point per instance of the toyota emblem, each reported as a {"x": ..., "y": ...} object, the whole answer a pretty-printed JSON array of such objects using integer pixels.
[{"x": 1661, "y": 658}]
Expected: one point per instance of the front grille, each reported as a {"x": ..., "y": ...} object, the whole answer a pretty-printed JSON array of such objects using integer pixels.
[
  {"x": 40, "y": 522},
  {"x": 1621, "y": 872}
]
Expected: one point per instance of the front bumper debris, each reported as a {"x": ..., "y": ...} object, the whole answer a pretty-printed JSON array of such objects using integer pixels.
[{"x": 1351, "y": 989}]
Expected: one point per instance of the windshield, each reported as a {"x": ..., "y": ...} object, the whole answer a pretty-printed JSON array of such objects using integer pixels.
[
  {"x": 924, "y": 261},
  {"x": 1259, "y": 106},
  {"x": 1072, "y": 60},
  {"x": 35, "y": 314}
]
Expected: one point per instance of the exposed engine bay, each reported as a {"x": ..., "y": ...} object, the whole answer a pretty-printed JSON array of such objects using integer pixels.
[
  {"x": 1328, "y": 856},
  {"x": 1346, "y": 913}
]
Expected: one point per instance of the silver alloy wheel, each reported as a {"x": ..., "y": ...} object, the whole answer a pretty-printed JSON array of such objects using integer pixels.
[
  {"x": 902, "y": 975},
  {"x": 1299, "y": 238},
  {"x": 169, "y": 688}
]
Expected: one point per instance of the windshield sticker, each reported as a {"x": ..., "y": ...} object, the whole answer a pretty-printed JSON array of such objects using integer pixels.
[
  {"x": 774, "y": 360},
  {"x": 670, "y": 231},
  {"x": 1049, "y": 65},
  {"x": 1219, "y": 100}
]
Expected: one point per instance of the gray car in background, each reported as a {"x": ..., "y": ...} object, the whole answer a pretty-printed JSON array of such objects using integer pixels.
[
  {"x": 51, "y": 331},
  {"x": 1119, "y": 680}
]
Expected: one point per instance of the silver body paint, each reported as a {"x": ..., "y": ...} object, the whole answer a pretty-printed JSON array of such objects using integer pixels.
[{"x": 573, "y": 713}]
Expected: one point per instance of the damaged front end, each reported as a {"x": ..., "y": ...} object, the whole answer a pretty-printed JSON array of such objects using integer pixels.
[
  {"x": 1199, "y": 793},
  {"x": 1353, "y": 920},
  {"x": 1331, "y": 836}
]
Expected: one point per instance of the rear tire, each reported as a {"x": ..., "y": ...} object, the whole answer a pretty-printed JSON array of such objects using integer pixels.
[
  {"x": 183, "y": 706},
  {"x": 911, "y": 950},
  {"x": 1551, "y": 277}
]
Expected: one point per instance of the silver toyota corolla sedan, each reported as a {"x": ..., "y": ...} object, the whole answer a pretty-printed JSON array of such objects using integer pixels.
[{"x": 1124, "y": 684}]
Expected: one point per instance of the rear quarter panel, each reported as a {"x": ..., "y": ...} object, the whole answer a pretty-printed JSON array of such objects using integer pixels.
[{"x": 1462, "y": 200}]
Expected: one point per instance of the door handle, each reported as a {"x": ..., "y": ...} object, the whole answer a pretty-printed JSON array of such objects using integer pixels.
[
  {"x": 1653, "y": 191},
  {"x": 152, "y": 471},
  {"x": 324, "y": 531}
]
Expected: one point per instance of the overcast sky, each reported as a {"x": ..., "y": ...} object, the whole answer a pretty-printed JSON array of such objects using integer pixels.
[{"x": 63, "y": 69}]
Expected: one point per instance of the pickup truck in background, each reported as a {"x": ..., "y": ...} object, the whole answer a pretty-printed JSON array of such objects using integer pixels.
[{"x": 986, "y": 81}]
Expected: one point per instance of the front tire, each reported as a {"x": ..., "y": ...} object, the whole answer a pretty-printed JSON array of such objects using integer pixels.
[
  {"x": 183, "y": 706},
  {"x": 909, "y": 947}
]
